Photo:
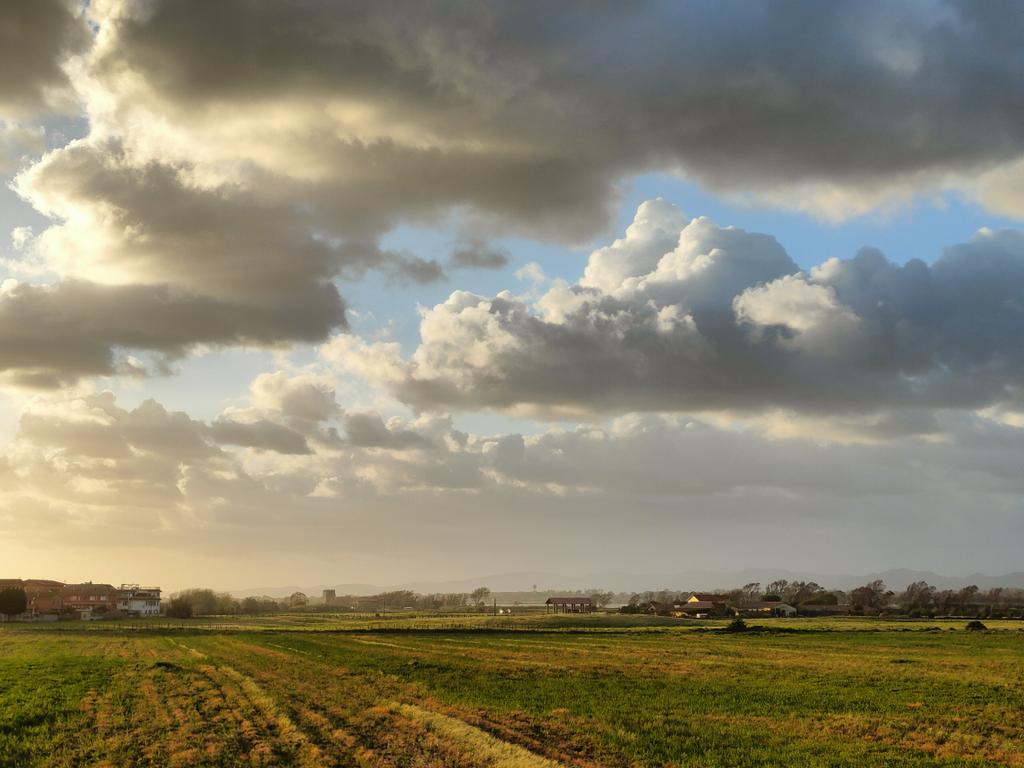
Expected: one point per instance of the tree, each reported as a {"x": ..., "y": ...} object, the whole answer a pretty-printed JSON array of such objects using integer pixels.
[
  {"x": 872, "y": 595},
  {"x": 454, "y": 600},
  {"x": 480, "y": 595},
  {"x": 180, "y": 607},
  {"x": 602, "y": 598},
  {"x": 13, "y": 601},
  {"x": 918, "y": 596},
  {"x": 254, "y": 605},
  {"x": 802, "y": 591},
  {"x": 399, "y": 598},
  {"x": 822, "y": 598},
  {"x": 967, "y": 596},
  {"x": 206, "y": 602}
]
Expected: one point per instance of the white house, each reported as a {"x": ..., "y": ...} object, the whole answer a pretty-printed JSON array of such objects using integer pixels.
[{"x": 134, "y": 600}]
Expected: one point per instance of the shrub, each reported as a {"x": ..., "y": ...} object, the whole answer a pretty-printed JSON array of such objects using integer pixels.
[
  {"x": 975, "y": 626},
  {"x": 736, "y": 625}
]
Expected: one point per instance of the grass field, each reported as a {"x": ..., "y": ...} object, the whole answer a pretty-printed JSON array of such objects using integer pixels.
[{"x": 312, "y": 690}]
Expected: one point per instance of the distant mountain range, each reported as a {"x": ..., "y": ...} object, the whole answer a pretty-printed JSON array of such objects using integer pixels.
[{"x": 896, "y": 579}]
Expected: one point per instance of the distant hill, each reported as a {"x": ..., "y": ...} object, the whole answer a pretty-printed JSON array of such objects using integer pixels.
[{"x": 896, "y": 579}]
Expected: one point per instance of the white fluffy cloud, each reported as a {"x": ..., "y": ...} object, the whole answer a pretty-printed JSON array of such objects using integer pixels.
[{"x": 724, "y": 320}]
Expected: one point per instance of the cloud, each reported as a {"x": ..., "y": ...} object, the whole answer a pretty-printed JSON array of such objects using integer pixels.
[
  {"x": 298, "y": 397},
  {"x": 391, "y": 113},
  {"x": 38, "y": 37},
  {"x": 150, "y": 262},
  {"x": 261, "y": 481},
  {"x": 244, "y": 157},
  {"x": 368, "y": 430},
  {"x": 723, "y": 320},
  {"x": 262, "y": 434},
  {"x": 413, "y": 269},
  {"x": 18, "y": 141},
  {"x": 50, "y": 336},
  {"x": 85, "y": 466},
  {"x": 478, "y": 254}
]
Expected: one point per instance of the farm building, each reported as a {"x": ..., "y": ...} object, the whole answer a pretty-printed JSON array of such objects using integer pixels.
[
  {"x": 705, "y": 597},
  {"x": 759, "y": 608},
  {"x": 702, "y": 605},
  {"x": 569, "y": 605},
  {"x": 700, "y": 608}
]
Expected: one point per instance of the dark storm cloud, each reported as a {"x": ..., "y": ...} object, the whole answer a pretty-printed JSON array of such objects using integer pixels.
[{"x": 531, "y": 110}]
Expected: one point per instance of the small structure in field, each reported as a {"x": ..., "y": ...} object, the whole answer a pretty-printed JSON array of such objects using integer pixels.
[{"x": 569, "y": 605}]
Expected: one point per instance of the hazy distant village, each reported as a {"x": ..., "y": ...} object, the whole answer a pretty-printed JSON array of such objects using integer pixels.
[{"x": 49, "y": 600}]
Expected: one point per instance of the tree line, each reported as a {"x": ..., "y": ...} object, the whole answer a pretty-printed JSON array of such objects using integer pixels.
[
  {"x": 918, "y": 599},
  {"x": 207, "y": 602}
]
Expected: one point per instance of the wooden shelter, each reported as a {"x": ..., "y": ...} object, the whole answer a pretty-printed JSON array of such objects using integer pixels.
[{"x": 569, "y": 605}]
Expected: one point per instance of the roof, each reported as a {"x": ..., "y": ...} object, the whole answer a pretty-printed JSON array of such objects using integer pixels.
[
  {"x": 706, "y": 597},
  {"x": 89, "y": 589},
  {"x": 565, "y": 600},
  {"x": 33, "y": 587},
  {"x": 699, "y": 605}
]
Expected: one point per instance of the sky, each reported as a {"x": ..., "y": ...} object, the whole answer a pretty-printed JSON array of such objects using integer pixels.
[{"x": 326, "y": 292}]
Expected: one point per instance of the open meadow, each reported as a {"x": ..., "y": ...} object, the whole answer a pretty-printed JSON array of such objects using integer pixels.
[{"x": 407, "y": 690}]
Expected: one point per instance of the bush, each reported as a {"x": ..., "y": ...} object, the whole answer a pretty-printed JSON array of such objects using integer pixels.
[
  {"x": 736, "y": 625},
  {"x": 975, "y": 626},
  {"x": 13, "y": 601}
]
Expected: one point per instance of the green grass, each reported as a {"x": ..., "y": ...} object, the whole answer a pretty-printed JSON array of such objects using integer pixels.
[
  {"x": 309, "y": 689},
  {"x": 527, "y": 621}
]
